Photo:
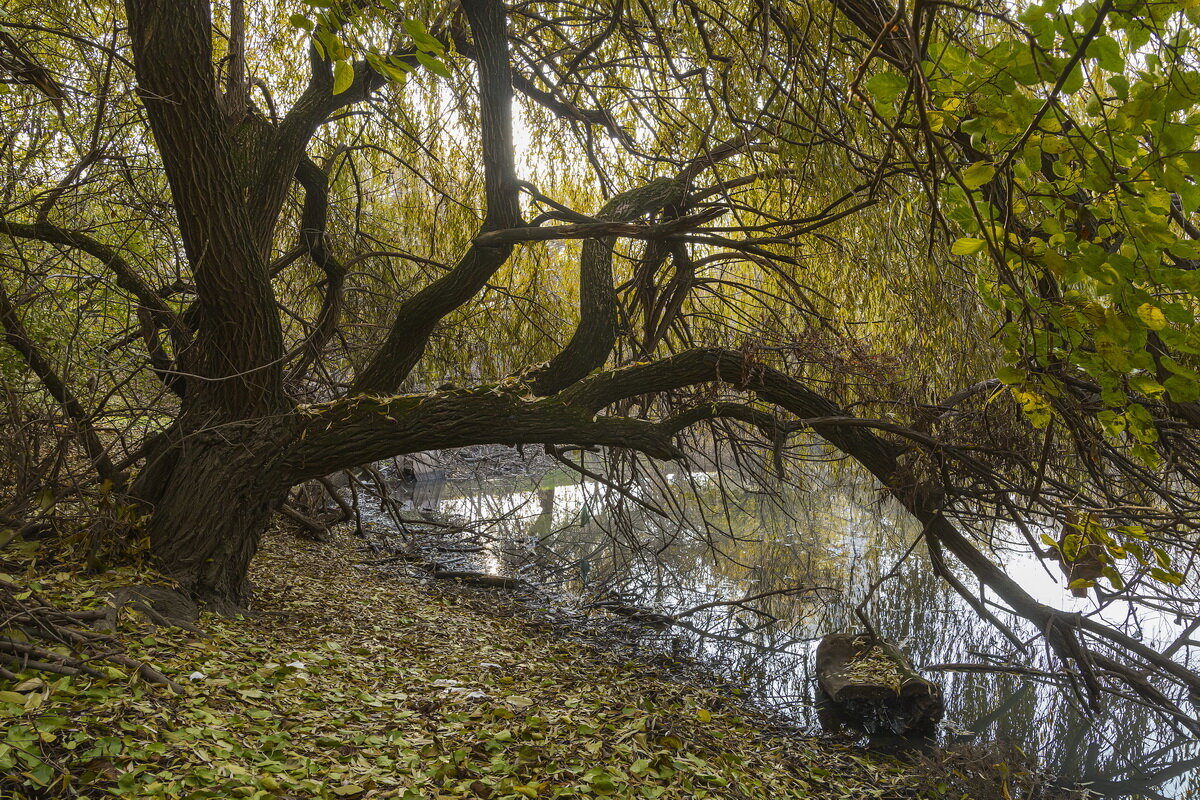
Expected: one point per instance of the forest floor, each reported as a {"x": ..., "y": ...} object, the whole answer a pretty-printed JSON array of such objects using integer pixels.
[{"x": 347, "y": 682}]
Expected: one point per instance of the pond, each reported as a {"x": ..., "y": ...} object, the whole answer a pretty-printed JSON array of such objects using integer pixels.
[{"x": 671, "y": 542}]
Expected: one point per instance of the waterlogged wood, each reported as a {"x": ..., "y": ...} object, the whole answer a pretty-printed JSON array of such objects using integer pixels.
[
  {"x": 480, "y": 579},
  {"x": 870, "y": 685}
]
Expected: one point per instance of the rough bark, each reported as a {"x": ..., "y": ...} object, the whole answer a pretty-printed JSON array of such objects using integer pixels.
[
  {"x": 313, "y": 240},
  {"x": 210, "y": 514},
  {"x": 239, "y": 341},
  {"x": 596, "y": 333}
]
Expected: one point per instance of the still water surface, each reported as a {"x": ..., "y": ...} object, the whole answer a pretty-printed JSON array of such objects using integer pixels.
[{"x": 838, "y": 541}]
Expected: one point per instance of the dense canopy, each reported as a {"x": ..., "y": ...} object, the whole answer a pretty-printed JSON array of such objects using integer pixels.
[{"x": 245, "y": 246}]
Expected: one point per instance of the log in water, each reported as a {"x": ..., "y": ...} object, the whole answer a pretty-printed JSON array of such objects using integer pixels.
[{"x": 868, "y": 685}]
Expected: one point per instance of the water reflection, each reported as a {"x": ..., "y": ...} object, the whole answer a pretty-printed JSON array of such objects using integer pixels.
[{"x": 671, "y": 544}]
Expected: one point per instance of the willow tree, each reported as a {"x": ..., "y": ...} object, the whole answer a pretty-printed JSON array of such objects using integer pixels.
[{"x": 773, "y": 213}]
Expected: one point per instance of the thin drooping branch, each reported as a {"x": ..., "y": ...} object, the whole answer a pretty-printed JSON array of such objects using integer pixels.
[
  {"x": 596, "y": 334},
  {"x": 284, "y": 147},
  {"x": 126, "y": 276},
  {"x": 550, "y": 101},
  {"x": 418, "y": 315},
  {"x": 152, "y": 310},
  {"x": 18, "y": 338},
  {"x": 590, "y": 230}
]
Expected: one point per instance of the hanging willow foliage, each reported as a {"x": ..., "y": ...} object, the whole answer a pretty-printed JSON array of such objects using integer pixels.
[{"x": 247, "y": 247}]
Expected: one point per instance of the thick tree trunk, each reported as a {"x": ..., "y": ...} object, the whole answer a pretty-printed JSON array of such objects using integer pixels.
[{"x": 206, "y": 520}]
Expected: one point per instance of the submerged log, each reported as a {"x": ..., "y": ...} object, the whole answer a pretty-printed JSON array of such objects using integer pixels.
[
  {"x": 480, "y": 579},
  {"x": 868, "y": 685}
]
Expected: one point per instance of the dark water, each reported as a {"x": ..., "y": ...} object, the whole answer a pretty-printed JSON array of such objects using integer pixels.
[{"x": 835, "y": 538}]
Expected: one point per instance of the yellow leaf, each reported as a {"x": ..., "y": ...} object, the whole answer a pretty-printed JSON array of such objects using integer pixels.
[
  {"x": 967, "y": 246},
  {"x": 978, "y": 174},
  {"x": 704, "y": 715},
  {"x": 1152, "y": 317},
  {"x": 343, "y": 76}
]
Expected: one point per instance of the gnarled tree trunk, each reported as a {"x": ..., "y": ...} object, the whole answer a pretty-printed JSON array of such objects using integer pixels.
[{"x": 208, "y": 514}]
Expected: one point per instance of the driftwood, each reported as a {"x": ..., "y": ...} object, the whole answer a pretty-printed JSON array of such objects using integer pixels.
[
  {"x": 437, "y": 570},
  {"x": 480, "y": 579},
  {"x": 868, "y": 685},
  {"x": 638, "y": 614}
]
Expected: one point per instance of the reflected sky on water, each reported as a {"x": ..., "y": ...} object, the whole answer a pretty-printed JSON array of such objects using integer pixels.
[{"x": 845, "y": 546}]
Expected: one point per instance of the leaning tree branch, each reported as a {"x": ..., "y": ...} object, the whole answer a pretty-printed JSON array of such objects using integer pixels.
[
  {"x": 596, "y": 333},
  {"x": 364, "y": 428},
  {"x": 925, "y": 502},
  {"x": 313, "y": 239},
  {"x": 356, "y": 429},
  {"x": 416, "y": 317}
]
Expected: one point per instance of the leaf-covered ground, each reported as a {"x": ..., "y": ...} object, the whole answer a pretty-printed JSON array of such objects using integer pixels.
[{"x": 349, "y": 683}]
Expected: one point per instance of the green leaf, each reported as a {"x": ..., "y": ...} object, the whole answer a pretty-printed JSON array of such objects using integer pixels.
[
  {"x": 1120, "y": 85},
  {"x": 1010, "y": 375},
  {"x": 1114, "y": 423},
  {"x": 46, "y": 498},
  {"x": 1071, "y": 545},
  {"x": 392, "y": 69},
  {"x": 1182, "y": 390},
  {"x": 301, "y": 21},
  {"x": 1074, "y": 81},
  {"x": 343, "y": 76},
  {"x": 422, "y": 38},
  {"x": 887, "y": 86},
  {"x": 1147, "y": 385},
  {"x": 978, "y": 174},
  {"x": 1166, "y": 576},
  {"x": 967, "y": 246},
  {"x": 432, "y": 64},
  {"x": 600, "y": 781},
  {"x": 1107, "y": 53}
]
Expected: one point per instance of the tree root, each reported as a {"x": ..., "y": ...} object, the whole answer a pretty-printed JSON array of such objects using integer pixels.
[{"x": 36, "y": 633}]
